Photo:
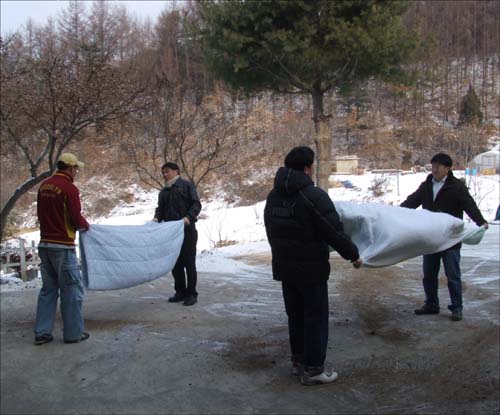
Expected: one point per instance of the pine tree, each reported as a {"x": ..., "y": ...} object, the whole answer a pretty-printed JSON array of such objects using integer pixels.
[
  {"x": 305, "y": 47},
  {"x": 470, "y": 109}
]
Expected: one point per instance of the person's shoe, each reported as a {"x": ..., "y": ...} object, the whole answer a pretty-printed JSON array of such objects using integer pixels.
[
  {"x": 83, "y": 337},
  {"x": 327, "y": 376},
  {"x": 426, "y": 309},
  {"x": 296, "y": 369},
  {"x": 43, "y": 338},
  {"x": 190, "y": 300},
  {"x": 176, "y": 298},
  {"x": 456, "y": 315}
]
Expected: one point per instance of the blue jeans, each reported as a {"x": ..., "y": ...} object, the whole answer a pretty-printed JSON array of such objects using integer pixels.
[
  {"x": 60, "y": 276},
  {"x": 306, "y": 305},
  {"x": 431, "y": 265}
]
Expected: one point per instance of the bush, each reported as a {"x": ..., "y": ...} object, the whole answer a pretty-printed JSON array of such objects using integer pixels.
[
  {"x": 379, "y": 186},
  {"x": 470, "y": 109}
]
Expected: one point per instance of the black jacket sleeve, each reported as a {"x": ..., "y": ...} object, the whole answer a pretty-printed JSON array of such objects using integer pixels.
[
  {"x": 470, "y": 207},
  {"x": 195, "y": 208},
  {"x": 327, "y": 223},
  {"x": 414, "y": 200},
  {"x": 159, "y": 208}
]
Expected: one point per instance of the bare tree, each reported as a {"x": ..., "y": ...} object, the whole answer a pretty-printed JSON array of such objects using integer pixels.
[
  {"x": 199, "y": 137},
  {"x": 183, "y": 122},
  {"x": 56, "y": 91}
]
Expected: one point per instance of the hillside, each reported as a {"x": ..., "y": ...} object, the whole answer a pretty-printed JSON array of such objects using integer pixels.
[{"x": 230, "y": 143}]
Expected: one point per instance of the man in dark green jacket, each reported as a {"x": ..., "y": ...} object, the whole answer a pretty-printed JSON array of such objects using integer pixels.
[
  {"x": 179, "y": 200},
  {"x": 443, "y": 192}
]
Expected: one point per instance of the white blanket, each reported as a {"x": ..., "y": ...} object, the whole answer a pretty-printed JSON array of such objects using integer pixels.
[
  {"x": 115, "y": 257},
  {"x": 386, "y": 235}
]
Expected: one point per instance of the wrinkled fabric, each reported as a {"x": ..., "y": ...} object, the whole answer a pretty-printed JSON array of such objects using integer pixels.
[
  {"x": 116, "y": 257},
  {"x": 386, "y": 235}
]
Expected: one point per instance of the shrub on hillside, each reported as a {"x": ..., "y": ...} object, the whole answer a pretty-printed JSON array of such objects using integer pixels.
[{"x": 470, "y": 109}]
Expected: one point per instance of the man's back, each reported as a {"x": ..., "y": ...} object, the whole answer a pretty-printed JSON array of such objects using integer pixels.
[
  {"x": 58, "y": 209},
  {"x": 301, "y": 221}
]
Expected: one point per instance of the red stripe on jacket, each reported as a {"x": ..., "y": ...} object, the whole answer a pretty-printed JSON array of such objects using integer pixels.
[{"x": 59, "y": 210}]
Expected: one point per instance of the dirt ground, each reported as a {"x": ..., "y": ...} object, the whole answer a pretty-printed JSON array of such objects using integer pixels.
[{"x": 229, "y": 353}]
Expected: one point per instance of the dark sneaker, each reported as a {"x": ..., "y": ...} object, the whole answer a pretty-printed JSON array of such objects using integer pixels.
[
  {"x": 44, "y": 338},
  {"x": 190, "y": 300},
  {"x": 296, "y": 369},
  {"x": 427, "y": 309},
  {"x": 83, "y": 337},
  {"x": 176, "y": 298},
  {"x": 456, "y": 315}
]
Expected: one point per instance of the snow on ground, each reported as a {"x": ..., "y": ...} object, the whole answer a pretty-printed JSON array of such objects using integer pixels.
[{"x": 227, "y": 232}]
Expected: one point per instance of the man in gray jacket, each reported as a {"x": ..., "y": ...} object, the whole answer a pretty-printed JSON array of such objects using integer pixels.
[{"x": 179, "y": 200}]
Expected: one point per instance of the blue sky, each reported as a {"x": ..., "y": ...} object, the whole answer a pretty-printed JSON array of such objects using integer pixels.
[{"x": 15, "y": 13}]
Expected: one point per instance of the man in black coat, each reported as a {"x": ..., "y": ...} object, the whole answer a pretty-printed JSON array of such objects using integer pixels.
[
  {"x": 179, "y": 200},
  {"x": 443, "y": 192},
  {"x": 301, "y": 223}
]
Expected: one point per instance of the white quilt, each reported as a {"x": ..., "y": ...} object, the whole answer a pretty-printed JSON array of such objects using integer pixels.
[
  {"x": 115, "y": 257},
  {"x": 386, "y": 235}
]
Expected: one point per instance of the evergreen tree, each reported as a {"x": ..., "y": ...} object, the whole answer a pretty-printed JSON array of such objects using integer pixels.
[
  {"x": 307, "y": 47},
  {"x": 470, "y": 109}
]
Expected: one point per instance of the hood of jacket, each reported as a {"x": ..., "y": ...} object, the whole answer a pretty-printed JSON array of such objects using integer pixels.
[{"x": 290, "y": 181}]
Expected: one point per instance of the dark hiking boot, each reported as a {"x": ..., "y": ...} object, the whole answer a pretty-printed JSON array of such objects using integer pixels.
[
  {"x": 456, "y": 315},
  {"x": 296, "y": 369},
  {"x": 426, "y": 309},
  {"x": 297, "y": 366},
  {"x": 176, "y": 298},
  {"x": 190, "y": 300},
  {"x": 83, "y": 337},
  {"x": 44, "y": 338}
]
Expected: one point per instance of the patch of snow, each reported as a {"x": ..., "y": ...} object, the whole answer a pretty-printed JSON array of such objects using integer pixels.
[{"x": 12, "y": 282}]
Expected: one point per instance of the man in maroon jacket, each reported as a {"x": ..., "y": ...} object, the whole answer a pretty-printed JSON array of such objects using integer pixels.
[
  {"x": 443, "y": 192},
  {"x": 59, "y": 214}
]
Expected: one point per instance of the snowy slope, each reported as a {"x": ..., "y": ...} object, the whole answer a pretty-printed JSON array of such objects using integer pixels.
[{"x": 226, "y": 232}]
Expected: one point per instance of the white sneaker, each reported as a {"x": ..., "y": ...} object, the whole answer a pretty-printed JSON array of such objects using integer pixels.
[{"x": 320, "y": 379}]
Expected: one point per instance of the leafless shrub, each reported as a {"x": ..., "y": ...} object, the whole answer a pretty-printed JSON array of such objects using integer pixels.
[{"x": 379, "y": 186}]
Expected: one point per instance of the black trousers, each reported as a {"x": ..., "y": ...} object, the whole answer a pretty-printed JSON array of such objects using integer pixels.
[
  {"x": 306, "y": 306},
  {"x": 186, "y": 264}
]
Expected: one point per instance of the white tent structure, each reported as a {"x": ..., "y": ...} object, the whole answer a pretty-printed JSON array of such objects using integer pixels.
[{"x": 487, "y": 162}]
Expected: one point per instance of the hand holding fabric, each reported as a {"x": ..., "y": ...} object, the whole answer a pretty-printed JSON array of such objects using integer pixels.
[{"x": 357, "y": 264}]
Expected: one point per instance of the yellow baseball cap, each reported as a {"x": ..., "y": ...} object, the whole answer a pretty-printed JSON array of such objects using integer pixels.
[{"x": 70, "y": 159}]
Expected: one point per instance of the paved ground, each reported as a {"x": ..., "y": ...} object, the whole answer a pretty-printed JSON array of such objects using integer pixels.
[{"x": 229, "y": 353}]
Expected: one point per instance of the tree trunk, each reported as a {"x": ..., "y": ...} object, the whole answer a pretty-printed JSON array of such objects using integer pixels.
[
  {"x": 21, "y": 190},
  {"x": 323, "y": 141}
]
